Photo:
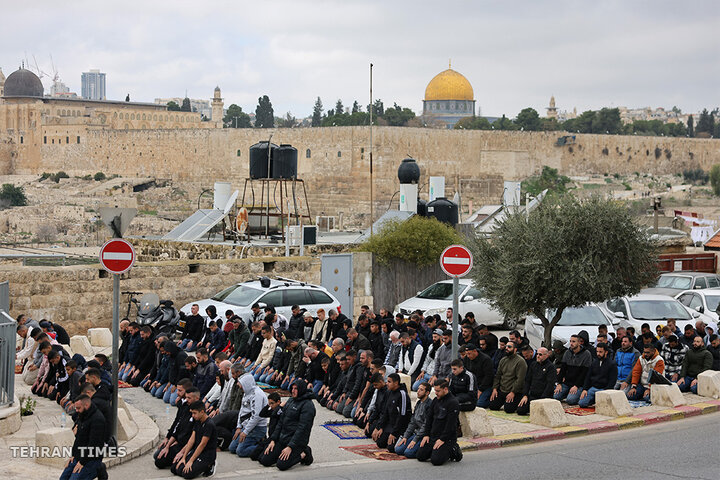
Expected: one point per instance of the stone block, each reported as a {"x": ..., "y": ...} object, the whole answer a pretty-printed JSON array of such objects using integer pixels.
[
  {"x": 475, "y": 423},
  {"x": 10, "y": 419},
  {"x": 100, "y": 337},
  {"x": 709, "y": 384},
  {"x": 54, "y": 440},
  {"x": 80, "y": 344},
  {"x": 127, "y": 428},
  {"x": 547, "y": 412},
  {"x": 122, "y": 405},
  {"x": 404, "y": 378},
  {"x": 667, "y": 396},
  {"x": 612, "y": 403}
]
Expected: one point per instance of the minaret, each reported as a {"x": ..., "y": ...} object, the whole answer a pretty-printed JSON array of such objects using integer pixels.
[
  {"x": 217, "y": 108},
  {"x": 551, "y": 109}
]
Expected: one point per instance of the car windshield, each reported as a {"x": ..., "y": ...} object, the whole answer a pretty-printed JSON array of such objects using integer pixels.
[
  {"x": 658, "y": 310},
  {"x": 674, "y": 281},
  {"x": 712, "y": 302},
  {"x": 239, "y": 295},
  {"x": 588, "y": 315},
  {"x": 438, "y": 291}
]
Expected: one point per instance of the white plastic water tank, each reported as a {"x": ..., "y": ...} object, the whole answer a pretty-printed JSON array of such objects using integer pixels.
[
  {"x": 408, "y": 197},
  {"x": 437, "y": 188},
  {"x": 221, "y": 195}
]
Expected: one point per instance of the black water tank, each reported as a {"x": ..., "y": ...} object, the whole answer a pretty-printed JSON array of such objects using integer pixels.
[
  {"x": 259, "y": 159},
  {"x": 444, "y": 210},
  {"x": 409, "y": 171},
  {"x": 422, "y": 207},
  {"x": 284, "y": 162}
]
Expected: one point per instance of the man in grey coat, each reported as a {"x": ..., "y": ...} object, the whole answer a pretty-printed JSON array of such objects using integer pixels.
[
  {"x": 409, "y": 443},
  {"x": 443, "y": 359}
]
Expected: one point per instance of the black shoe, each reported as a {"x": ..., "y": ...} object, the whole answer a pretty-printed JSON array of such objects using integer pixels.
[
  {"x": 210, "y": 472},
  {"x": 102, "y": 472},
  {"x": 308, "y": 460},
  {"x": 457, "y": 453}
]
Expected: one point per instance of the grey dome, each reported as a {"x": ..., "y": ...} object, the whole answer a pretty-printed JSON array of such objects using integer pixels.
[{"x": 23, "y": 83}]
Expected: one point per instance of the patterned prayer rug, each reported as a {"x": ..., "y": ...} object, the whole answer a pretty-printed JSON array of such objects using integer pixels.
[
  {"x": 345, "y": 430},
  {"x": 372, "y": 451},
  {"x": 514, "y": 417},
  {"x": 579, "y": 411},
  {"x": 639, "y": 403},
  {"x": 122, "y": 384}
]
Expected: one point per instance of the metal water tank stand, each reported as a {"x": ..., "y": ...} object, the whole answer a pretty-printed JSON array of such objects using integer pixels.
[{"x": 266, "y": 214}]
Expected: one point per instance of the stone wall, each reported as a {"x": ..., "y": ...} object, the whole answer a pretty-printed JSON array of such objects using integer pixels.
[
  {"x": 80, "y": 297},
  {"x": 334, "y": 162}
]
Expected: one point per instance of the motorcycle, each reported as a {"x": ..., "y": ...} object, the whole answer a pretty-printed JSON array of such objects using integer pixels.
[{"x": 159, "y": 314}]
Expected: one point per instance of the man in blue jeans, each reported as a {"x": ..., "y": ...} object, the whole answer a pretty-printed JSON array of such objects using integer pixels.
[
  {"x": 409, "y": 443},
  {"x": 573, "y": 370},
  {"x": 602, "y": 375},
  {"x": 251, "y": 427},
  {"x": 89, "y": 442}
]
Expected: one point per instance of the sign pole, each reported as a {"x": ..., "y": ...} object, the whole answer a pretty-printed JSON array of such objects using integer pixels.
[
  {"x": 115, "y": 351},
  {"x": 456, "y": 287}
]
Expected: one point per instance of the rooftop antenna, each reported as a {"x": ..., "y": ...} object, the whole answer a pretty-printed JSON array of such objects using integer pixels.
[{"x": 450, "y": 63}]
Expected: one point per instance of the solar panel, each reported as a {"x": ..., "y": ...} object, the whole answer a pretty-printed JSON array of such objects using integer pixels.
[{"x": 195, "y": 226}]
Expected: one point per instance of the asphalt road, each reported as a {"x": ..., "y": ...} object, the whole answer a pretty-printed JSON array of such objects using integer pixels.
[{"x": 679, "y": 449}]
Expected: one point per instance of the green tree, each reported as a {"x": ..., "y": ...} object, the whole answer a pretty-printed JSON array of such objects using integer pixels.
[
  {"x": 549, "y": 124},
  {"x": 173, "y": 106},
  {"x": 12, "y": 195},
  {"x": 288, "y": 121},
  {"x": 378, "y": 109},
  {"x": 186, "y": 105},
  {"x": 705, "y": 124},
  {"x": 504, "y": 123},
  {"x": 264, "y": 114},
  {"x": 339, "y": 108},
  {"x": 236, "y": 118},
  {"x": 398, "y": 116},
  {"x": 528, "y": 119},
  {"x": 715, "y": 179},
  {"x": 317, "y": 113},
  {"x": 549, "y": 179},
  {"x": 355, "y": 107},
  {"x": 418, "y": 240},
  {"x": 564, "y": 254},
  {"x": 691, "y": 126},
  {"x": 607, "y": 120},
  {"x": 473, "y": 123}
]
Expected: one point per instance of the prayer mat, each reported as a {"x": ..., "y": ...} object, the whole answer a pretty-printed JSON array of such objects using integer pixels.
[
  {"x": 268, "y": 389},
  {"x": 372, "y": 451},
  {"x": 122, "y": 384},
  {"x": 513, "y": 417},
  {"x": 639, "y": 403},
  {"x": 579, "y": 411},
  {"x": 18, "y": 369},
  {"x": 345, "y": 430}
]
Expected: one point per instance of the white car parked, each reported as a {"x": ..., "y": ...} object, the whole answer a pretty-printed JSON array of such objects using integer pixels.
[
  {"x": 587, "y": 318},
  {"x": 437, "y": 298},
  {"x": 280, "y": 293},
  {"x": 704, "y": 301},
  {"x": 651, "y": 309}
]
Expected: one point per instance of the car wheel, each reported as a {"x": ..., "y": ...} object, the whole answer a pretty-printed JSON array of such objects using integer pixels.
[{"x": 510, "y": 323}]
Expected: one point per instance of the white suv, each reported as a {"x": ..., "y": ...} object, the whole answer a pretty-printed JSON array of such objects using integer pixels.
[{"x": 281, "y": 293}]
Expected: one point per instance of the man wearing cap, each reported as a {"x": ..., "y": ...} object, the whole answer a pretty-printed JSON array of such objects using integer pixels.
[
  {"x": 481, "y": 366},
  {"x": 443, "y": 358}
]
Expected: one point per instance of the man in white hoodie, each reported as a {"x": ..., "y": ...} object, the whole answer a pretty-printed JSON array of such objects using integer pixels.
[{"x": 251, "y": 427}]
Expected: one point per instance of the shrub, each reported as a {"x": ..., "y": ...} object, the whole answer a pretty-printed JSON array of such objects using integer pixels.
[
  {"x": 99, "y": 176},
  {"x": 715, "y": 178},
  {"x": 417, "y": 240},
  {"x": 12, "y": 195}
]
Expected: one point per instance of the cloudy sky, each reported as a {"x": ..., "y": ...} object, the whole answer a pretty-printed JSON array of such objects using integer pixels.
[{"x": 588, "y": 54}]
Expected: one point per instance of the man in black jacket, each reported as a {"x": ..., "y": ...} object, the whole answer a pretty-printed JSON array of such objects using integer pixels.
[
  {"x": 179, "y": 432},
  {"x": 481, "y": 366},
  {"x": 194, "y": 327},
  {"x": 463, "y": 385},
  {"x": 539, "y": 381},
  {"x": 440, "y": 441},
  {"x": 296, "y": 323},
  {"x": 144, "y": 358},
  {"x": 197, "y": 456},
  {"x": 395, "y": 415},
  {"x": 353, "y": 386},
  {"x": 289, "y": 443},
  {"x": 602, "y": 375},
  {"x": 89, "y": 441}
]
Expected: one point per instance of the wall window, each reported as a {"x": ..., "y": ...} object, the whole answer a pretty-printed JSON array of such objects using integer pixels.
[
  {"x": 239, "y": 152},
  {"x": 339, "y": 154},
  {"x": 78, "y": 139},
  {"x": 21, "y": 140},
  {"x": 53, "y": 141},
  {"x": 67, "y": 139},
  {"x": 45, "y": 140},
  {"x": 307, "y": 153}
]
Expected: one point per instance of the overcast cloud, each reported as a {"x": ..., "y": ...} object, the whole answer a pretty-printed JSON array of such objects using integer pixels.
[{"x": 588, "y": 54}]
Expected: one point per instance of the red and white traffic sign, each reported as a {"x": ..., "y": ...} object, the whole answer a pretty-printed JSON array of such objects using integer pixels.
[
  {"x": 117, "y": 256},
  {"x": 456, "y": 261}
]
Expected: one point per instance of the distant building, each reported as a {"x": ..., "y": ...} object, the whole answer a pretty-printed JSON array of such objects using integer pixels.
[
  {"x": 93, "y": 85},
  {"x": 629, "y": 115},
  {"x": 449, "y": 97},
  {"x": 2, "y": 83},
  {"x": 551, "y": 109},
  {"x": 60, "y": 90},
  {"x": 196, "y": 104}
]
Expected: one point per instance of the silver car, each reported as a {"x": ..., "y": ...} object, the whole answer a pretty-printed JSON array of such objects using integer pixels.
[{"x": 587, "y": 318}]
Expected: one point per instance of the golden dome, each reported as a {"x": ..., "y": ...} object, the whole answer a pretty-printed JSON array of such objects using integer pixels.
[{"x": 449, "y": 85}]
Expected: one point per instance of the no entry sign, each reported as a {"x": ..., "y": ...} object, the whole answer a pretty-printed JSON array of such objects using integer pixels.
[
  {"x": 117, "y": 256},
  {"x": 456, "y": 261}
]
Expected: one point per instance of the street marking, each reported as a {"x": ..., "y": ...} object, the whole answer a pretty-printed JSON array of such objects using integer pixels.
[
  {"x": 117, "y": 256},
  {"x": 456, "y": 261}
]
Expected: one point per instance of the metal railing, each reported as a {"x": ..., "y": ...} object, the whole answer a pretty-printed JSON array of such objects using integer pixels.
[{"x": 7, "y": 348}]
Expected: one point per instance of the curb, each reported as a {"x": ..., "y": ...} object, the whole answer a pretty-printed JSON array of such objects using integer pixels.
[
  {"x": 145, "y": 440},
  {"x": 612, "y": 425}
]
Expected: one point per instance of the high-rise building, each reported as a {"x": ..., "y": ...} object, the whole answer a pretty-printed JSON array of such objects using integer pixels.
[{"x": 93, "y": 85}]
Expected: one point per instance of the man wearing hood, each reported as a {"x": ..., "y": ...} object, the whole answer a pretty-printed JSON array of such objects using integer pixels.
[
  {"x": 289, "y": 444},
  {"x": 697, "y": 360},
  {"x": 584, "y": 337},
  {"x": 238, "y": 338},
  {"x": 573, "y": 370},
  {"x": 710, "y": 329},
  {"x": 251, "y": 427}
]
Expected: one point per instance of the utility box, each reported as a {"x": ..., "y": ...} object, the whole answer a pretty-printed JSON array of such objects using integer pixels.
[{"x": 295, "y": 235}]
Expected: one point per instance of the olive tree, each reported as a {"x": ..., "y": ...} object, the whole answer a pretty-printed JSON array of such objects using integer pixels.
[{"x": 564, "y": 254}]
